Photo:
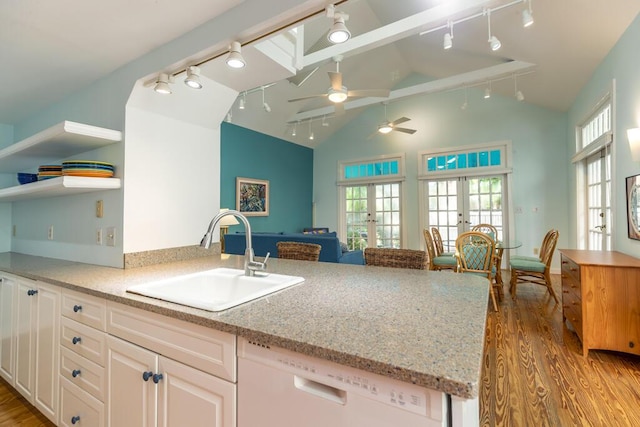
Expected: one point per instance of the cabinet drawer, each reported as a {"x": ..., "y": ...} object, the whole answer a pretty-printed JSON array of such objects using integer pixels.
[
  {"x": 89, "y": 342},
  {"x": 573, "y": 314},
  {"x": 89, "y": 376},
  {"x": 86, "y": 309},
  {"x": 570, "y": 269},
  {"x": 78, "y": 403},
  {"x": 203, "y": 348}
]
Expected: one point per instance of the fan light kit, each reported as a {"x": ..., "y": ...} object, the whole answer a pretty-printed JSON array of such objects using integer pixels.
[{"x": 388, "y": 126}]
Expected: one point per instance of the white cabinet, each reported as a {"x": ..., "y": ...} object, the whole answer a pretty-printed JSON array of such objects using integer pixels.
[
  {"x": 7, "y": 328},
  {"x": 57, "y": 142},
  {"x": 83, "y": 355},
  {"x": 37, "y": 313},
  {"x": 157, "y": 385}
]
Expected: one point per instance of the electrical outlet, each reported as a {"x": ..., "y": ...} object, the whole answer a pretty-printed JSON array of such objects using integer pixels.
[
  {"x": 98, "y": 236},
  {"x": 99, "y": 209},
  {"x": 111, "y": 236},
  {"x": 50, "y": 233},
  {"x": 536, "y": 251}
]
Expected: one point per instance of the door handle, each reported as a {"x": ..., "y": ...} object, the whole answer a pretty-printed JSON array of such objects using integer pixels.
[{"x": 321, "y": 390}]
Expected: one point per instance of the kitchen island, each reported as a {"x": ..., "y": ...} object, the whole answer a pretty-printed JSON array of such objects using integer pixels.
[{"x": 420, "y": 327}]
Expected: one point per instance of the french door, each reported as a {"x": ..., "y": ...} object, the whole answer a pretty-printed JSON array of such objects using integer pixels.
[
  {"x": 372, "y": 215},
  {"x": 598, "y": 200},
  {"x": 455, "y": 205}
]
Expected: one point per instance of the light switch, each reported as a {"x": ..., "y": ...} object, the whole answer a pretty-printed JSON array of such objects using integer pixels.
[{"x": 99, "y": 209}]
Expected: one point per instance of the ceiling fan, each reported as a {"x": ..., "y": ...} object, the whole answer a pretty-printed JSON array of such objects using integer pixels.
[
  {"x": 388, "y": 126},
  {"x": 338, "y": 93}
]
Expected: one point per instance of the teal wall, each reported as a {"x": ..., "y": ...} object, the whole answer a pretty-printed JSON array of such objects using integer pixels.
[
  {"x": 288, "y": 168},
  {"x": 539, "y": 162},
  {"x": 622, "y": 64}
]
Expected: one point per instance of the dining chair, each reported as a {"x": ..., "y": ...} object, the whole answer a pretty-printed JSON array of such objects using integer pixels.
[
  {"x": 299, "y": 251},
  {"x": 437, "y": 241},
  {"x": 545, "y": 242},
  {"x": 397, "y": 258},
  {"x": 476, "y": 252},
  {"x": 438, "y": 263},
  {"x": 487, "y": 229},
  {"x": 538, "y": 272}
]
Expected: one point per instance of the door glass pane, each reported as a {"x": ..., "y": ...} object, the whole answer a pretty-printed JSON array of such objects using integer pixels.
[
  {"x": 485, "y": 202},
  {"x": 356, "y": 217},
  {"x": 387, "y": 216},
  {"x": 442, "y": 199},
  {"x": 598, "y": 201}
]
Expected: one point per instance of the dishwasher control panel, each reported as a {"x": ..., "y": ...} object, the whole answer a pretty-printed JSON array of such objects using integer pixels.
[{"x": 409, "y": 397}]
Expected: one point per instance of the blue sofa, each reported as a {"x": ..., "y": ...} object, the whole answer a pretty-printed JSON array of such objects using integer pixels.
[{"x": 262, "y": 243}]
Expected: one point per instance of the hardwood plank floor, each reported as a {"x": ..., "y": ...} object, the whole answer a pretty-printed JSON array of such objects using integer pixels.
[
  {"x": 534, "y": 373},
  {"x": 16, "y": 411}
]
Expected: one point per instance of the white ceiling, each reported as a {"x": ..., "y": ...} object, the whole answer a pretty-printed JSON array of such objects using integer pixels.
[{"x": 60, "y": 50}]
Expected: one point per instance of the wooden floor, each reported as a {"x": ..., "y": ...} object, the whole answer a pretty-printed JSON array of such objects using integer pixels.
[
  {"x": 16, "y": 411},
  {"x": 534, "y": 373}
]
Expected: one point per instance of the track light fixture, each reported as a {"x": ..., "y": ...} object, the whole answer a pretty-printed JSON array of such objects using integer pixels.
[
  {"x": 310, "y": 131},
  {"x": 193, "y": 78},
  {"x": 241, "y": 105},
  {"x": 465, "y": 104},
  {"x": 448, "y": 37},
  {"x": 487, "y": 91},
  {"x": 162, "y": 84},
  {"x": 519, "y": 94},
  {"x": 493, "y": 40},
  {"x": 293, "y": 132},
  {"x": 229, "y": 116},
  {"x": 235, "y": 59},
  {"x": 339, "y": 33},
  {"x": 266, "y": 106},
  {"x": 527, "y": 15}
]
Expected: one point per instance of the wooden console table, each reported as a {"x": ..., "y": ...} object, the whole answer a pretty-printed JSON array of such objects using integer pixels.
[{"x": 601, "y": 299}]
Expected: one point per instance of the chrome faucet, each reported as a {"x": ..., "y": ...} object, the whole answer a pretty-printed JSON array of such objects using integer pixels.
[{"x": 250, "y": 264}]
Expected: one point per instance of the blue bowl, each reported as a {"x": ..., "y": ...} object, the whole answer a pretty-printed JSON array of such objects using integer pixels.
[{"x": 25, "y": 178}]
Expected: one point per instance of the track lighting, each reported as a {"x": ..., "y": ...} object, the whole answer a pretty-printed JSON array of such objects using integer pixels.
[
  {"x": 235, "y": 59},
  {"x": 493, "y": 40},
  {"x": 266, "y": 106},
  {"x": 193, "y": 78},
  {"x": 310, "y": 131},
  {"x": 527, "y": 16},
  {"x": 487, "y": 92},
  {"x": 228, "y": 119},
  {"x": 338, "y": 32},
  {"x": 448, "y": 37},
  {"x": 241, "y": 104},
  {"x": 465, "y": 104},
  {"x": 293, "y": 132},
  {"x": 325, "y": 123},
  {"x": 519, "y": 94},
  {"x": 162, "y": 84}
]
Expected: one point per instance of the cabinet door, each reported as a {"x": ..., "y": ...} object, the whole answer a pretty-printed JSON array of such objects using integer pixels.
[
  {"x": 25, "y": 337},
  {"x": 131, "y": 400},
  {"x": 47, "y": 350},
  {"x": 7, "y": 329},
  {"x": 189, "y": 397}
]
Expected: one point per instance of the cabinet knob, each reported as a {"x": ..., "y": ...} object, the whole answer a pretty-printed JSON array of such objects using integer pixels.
[
  {"x": 77, "y": 308},
  {"x": 146, "y": 375},
  {"x": 76, "y": 340},
  {"x": 631, "y": 344},
  {"x": 157, "y": 378},
  {"x": 75, "y": 373},
  {"x": 32, "y": 292},
  {"x": 75, "y": 419}
]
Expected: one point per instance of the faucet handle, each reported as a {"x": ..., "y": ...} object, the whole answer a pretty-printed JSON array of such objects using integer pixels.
[{"x": 266, "y": 258}]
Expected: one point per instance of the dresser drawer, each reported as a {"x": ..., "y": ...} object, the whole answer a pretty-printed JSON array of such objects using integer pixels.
[
  {"x": 89, "y": 376},
  {"x": 84, "y": 308},
  {"x": 570, "y": 269},
  {"x": 573, "y": 313},
  {"x": 78, "y": 408},
  {"x": 83, "y": 340}
]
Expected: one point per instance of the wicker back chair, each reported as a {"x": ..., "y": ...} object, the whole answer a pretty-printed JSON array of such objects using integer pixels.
[
  {"x": 437, "y": 242},
  {"x": 398, "y": 258},
  {"x": 538, "y": 272},
  {"x": 487, "y": 229},
  {"x": 299, "y": 251},
  {"x": 476, "y": 255},
  {"x": 442, "y": 262}
]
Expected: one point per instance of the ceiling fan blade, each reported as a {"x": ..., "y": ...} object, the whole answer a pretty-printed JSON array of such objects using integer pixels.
[
  {"x": 377, "y": 93},
  {"x": 336, "y": 80},
  {"x": 405, "y": 130},
  {"x": 400, "y": 120},
  {"x": 324, "y": 95}
]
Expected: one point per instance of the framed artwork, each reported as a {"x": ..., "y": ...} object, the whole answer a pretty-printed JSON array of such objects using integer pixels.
[
  {"x": 252, "y": 196},
  {"x": 633, "y": 206}
]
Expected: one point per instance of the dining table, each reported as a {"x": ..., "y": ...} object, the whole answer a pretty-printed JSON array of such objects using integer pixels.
[{"x": 501, "y": 246}]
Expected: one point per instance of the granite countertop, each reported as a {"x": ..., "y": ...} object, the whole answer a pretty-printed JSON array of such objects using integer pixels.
[{"x": 421, "y": 327}]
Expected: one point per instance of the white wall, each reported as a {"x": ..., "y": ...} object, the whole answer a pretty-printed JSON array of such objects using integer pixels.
[{"x": 172, "y": 171}]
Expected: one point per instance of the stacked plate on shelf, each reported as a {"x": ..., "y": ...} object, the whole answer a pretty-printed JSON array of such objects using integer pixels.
[
  {"x": 49, "y": 171},
  {"x": 88, "y": 168}
]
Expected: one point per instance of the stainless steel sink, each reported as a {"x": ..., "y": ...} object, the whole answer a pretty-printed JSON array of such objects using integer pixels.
[{"x": 217, "y": 289}]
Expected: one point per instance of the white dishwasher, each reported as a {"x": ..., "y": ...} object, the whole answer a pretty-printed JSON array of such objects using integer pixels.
[{"x": 280, "y": 388}]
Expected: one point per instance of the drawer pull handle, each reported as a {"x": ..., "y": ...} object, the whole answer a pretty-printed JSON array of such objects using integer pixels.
[
  {"x": 75, "y": 373},
  {"x": 77, "y": 308},
  {"x": 157, "y": 378},
  {"x": 147, "y": 375},
  {"x": 76, "y": 340},
  {"x": 32, "y": 292},
  {"x": 75, "y": 419},
  {"x": 631, "y": 344}
]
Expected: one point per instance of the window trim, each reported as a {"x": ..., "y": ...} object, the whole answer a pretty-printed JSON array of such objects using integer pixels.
[{"x": 399, "y": 177}]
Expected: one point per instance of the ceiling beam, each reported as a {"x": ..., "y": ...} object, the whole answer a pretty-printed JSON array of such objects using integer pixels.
[
  {"x": 453, "y": 82},
  {"x": 395, "y": 31}
]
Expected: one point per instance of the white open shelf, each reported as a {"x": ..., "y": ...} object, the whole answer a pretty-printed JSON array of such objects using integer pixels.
[
  {"x": 60, "y": 186},
  {"x": 58, "y": 142}
]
